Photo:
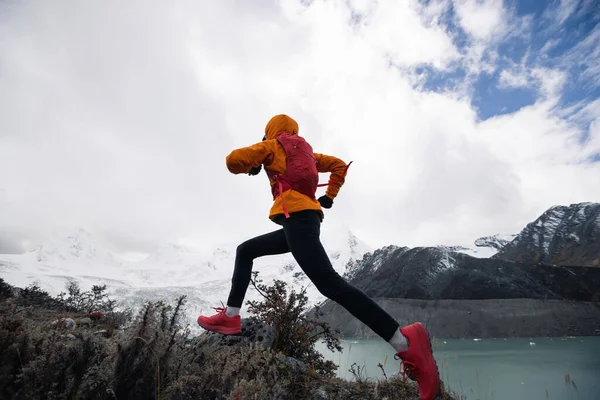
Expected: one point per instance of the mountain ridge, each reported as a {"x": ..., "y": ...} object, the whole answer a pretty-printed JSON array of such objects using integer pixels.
[
  {"x": 393, "y": 271},
  {"x": 562, "y": 235}
]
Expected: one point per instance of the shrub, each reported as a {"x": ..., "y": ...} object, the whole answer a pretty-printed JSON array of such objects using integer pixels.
[
  {"x": 296, "y": 332},
  {"x": 13, "y": 353},
  {"x": 34, "y": 296},
  {"x": 152, "y": 355},
  {"x": 40, "y": 360},
  {"x": 62, "y": 364},
  {"x": 6, "y": 290},
  {"x": 95, "y": 299}
]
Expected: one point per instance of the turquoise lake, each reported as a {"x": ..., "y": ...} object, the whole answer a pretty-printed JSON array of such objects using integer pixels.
[{"x": 513, "y": 368}]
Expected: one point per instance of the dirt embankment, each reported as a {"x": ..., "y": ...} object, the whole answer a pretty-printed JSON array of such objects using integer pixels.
[{"x": 481, "y": 318}]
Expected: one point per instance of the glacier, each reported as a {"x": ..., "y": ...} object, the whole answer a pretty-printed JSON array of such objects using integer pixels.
[{"x": 171, "y": 270}]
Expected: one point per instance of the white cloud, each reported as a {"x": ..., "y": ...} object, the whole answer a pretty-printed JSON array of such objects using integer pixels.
[
  {"x": 483, "y": 19},
  {"x": 564, "y": 10},
  {"x": 118, "y": 118},
  {"x": 590, "y": 114},
  {"x": 362, "y": 6},
  {"x": 548, "y": 46},
  {"x": 513, "y": 79},
  {"x": 586, "y": 56},
  {"x": 398, "y": 31},
  {"x": 487, "y": 24},
  {"x": 585, "y": 7},
  {"x": 546, "y": 154},
  {"x": 551, "y": 81},
  {"x": 433, "y": 11}
]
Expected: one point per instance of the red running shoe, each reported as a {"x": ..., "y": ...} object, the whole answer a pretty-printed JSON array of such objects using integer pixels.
[
  {"x": 220, "y": 322},
  {"x": 418, "y": 362}
]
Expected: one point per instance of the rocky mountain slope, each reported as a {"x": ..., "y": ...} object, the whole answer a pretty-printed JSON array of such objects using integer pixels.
[
  {"x": 570, "y": 235},
  {"x": 495, "y": 242},
  {"x": 441, "y": 273},
  {"x": 563, "y": 235}
]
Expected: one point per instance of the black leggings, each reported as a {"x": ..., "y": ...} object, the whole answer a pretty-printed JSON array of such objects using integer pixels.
[{"x": 300, "y": 235}]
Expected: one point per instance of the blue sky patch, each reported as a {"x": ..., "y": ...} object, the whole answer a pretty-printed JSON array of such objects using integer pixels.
[
  {"x": 490, "y": 100},
  {"x": 545, "y": 44}
]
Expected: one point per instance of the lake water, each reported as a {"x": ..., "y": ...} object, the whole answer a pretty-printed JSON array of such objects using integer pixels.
[{"x": 514, "y": 368}]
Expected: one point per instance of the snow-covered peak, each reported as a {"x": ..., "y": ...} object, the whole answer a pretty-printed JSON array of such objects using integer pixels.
[
  {"x": 485, "y": 247},
  {"x": 171, "y": 254},
  {"x": 561, "y": 235},
  {"x": 343, "y": 246},
  {"x": 446, "y": 258},
  {"x": 557, "y": 221},
  {"x": 496, "y": 241},
  {"x": 79, "y": 247}
]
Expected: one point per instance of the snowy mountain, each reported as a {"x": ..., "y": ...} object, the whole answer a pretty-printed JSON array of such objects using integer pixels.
[
  {"x": 438, "y": 273},
  {"x": 166, "y": 273},
  {"x": 563, "y": 235},
  {"x": 395, "y": 271},
  {"x": 494, "y": 242},
  {"x": 57, "y": 261},
  {"x": 79, "y": 247},
  {"x": 484, "y": 247},
  {"x": 501, "y": 266}
]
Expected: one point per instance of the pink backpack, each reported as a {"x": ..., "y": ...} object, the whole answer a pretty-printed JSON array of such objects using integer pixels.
[{"x": 301, "y": 172}]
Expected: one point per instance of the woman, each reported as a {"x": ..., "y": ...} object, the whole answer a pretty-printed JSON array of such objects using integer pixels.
[{"x": 293, "y": 169}]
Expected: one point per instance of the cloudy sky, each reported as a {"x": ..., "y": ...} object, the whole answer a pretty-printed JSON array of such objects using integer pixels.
[{"x": 463, "y": 118}]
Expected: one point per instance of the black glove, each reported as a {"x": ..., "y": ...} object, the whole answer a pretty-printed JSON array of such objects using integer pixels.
[
  {"x": 255, "y": 170},
  {"x": 325, "y": 201}
]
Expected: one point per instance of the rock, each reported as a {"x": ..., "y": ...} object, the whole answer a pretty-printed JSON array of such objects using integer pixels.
[
  {"x": 102, "y": 332},
  {"x": 296, "y": 365},
  {"x": 258, "y": 332},
  {"x": 319, "y": 394},
  {"x": 253, "y": 332},
  {"x": 5, "y": 307},
  {"x": 69, "y": 323},
  {"x": 69, "y": 336},
  {"x": 85, "y": 321}
]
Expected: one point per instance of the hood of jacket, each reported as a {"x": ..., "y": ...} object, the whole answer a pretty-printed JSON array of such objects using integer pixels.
[{"x": 280, "y": 123}]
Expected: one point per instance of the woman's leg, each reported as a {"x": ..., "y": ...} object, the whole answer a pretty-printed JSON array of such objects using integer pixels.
[
  {"x": 265, "y": 245},
  {"x": 227, "y": 320},
  {"x": 411, "y": 342},
  {"x": 302, "y": 231}
]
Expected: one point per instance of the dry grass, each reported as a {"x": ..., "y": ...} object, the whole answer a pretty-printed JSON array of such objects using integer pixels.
[{"x": 153, "y": 357}]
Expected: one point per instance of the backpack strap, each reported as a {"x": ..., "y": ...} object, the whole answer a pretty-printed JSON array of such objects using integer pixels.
[
  {"x": 334, "y": 181},
  {"x": 287, "y": 215}
]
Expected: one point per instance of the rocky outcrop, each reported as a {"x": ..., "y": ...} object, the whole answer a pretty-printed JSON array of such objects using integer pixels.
[
  {"x": 433, "y": 273},
  {"x": 563, "y": 235},
  {"x": 496, "y": 242},
  {"x": 253, "y": 333}
]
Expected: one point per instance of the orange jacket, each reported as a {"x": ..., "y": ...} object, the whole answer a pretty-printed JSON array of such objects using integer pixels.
[{"x": 271, "y": 154}]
